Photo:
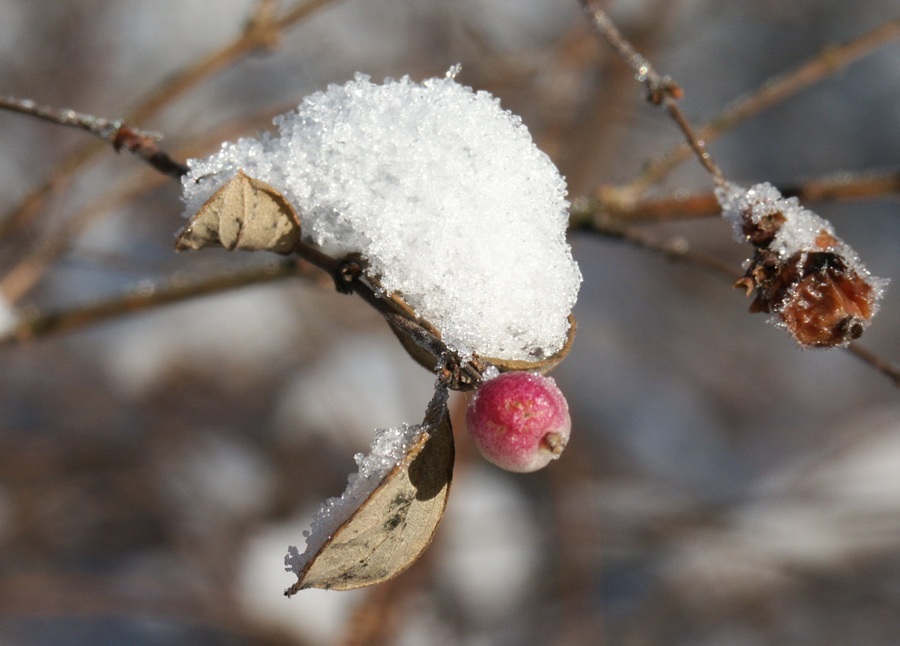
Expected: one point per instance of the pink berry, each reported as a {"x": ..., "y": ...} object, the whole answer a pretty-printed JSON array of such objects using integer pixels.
[{"x": 519, "y": 421}]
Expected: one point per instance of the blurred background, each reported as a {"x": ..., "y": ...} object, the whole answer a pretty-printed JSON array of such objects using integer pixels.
[{"x": 722, "y": 486}]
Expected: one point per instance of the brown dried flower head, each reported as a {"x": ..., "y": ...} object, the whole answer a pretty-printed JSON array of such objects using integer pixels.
[{"x": 809, "y": 279}]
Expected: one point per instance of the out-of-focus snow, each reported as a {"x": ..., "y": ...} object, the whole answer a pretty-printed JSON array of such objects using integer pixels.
[
  {"x": 236, "y": 331},
  {"x": 316, "y": 616},
  {"x": 813, "y": 515},
  {"x": 8, "y": 316},
  {"x": 360, "y": 384},
  {"x": 489, "y": 545}
]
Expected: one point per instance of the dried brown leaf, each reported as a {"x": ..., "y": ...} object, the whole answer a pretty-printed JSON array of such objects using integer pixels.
[
  {"x": 246, "y": 214},
  {"x": 394, "y": 525}
]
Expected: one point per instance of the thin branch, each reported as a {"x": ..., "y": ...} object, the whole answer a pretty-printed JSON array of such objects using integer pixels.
[
  {"x": 34, "y": 260},
  {"x": 614, "y": 203},
  {"x": 890, "y": 370},
  {"x": 144, "y": 298},
  {"x": 846, "y": 186},
  {"x": 661, "y": 90},
  {"x": 772, "y": 92},
  {"x": 262, "y": 31},
  {"x": 673, "y": 249},
  {"x": 117, "y": 133},
  {"x": 33, "y": 264}
]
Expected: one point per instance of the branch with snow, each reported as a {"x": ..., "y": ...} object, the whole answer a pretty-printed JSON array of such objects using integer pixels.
[
  {"x": 434, "y": 204},
  {"x": 442, "y": 193},
  {"x": 809, "y": 279},
  {"x": 814, "y": 283}
]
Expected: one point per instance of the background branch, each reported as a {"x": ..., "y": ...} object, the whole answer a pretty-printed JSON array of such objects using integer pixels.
[
  {"x": 262, "y": 31},
  {"x": 773, "y": 91}
]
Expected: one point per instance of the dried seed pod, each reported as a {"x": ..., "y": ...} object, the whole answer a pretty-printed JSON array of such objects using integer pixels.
[
  {"x": 809, "y": 279},
  {"x": 816, "y": 296}
]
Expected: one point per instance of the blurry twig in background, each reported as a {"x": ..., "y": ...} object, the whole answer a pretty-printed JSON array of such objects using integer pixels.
[
  {"x": 773, "y": 91},
  {"x": 608, "y": 202},
  {"x": 888, "y": 369},
  {"x": 40, "y": 256},
  {"x": 147, "y": 296},
  {"x": 673, "y": 249},
  {"x": 262, "y": 32}
]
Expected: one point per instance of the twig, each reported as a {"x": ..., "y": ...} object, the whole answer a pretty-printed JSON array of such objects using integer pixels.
[
  {"x": 770, "y": 93},
  {"x": 261, "y": 32},
  {"x": 31, "y": 266},
  {"x": 144, "y": 298},
  {"x": 661, "y": 90},
  {"x": 35, "y": 259},
  {"x": 121, "y": 136},
  {"x": 673, "y": 249},
  {"x": 846, "y": 186},
  {"x": 886, "y": 368},
  {"x": 614, "y": 203}
]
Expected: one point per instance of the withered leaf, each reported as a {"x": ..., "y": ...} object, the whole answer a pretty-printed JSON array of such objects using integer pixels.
[
  {"x": 396, "y": 522},
  {"x": 246, "y": 214},
  {"x": 542, "y": 366},
  {"x": 429, "y": 361}
]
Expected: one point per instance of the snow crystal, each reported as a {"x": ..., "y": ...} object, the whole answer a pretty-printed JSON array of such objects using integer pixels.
[
  {"x": 440, "y": 189},
  {"x": 802, "y": 230},
  {"x": 388, "y": 449}
]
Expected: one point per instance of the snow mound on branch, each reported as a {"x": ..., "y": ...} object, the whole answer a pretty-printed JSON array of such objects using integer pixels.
[{"x": 440, "y": 189}]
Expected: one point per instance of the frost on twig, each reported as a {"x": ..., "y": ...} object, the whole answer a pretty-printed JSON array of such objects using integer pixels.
[
  {"x": 812, "y": 282},
  {"x": 443, "y": 194},
  {"x": 809, "y": 279}
]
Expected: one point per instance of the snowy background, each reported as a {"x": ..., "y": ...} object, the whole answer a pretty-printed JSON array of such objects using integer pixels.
[{"x": 721, "y": 486}]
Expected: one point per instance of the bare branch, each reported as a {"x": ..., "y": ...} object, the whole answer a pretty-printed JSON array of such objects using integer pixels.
[
  {"x": 145, "y": 297},
  {"x": 661, "y": 90},
  {"x": 262, "y": 32},
  {"x": 117, "y": 133},
  {"x": 614, "y": 202},
  {"x": 888, "y": 369},
  {"x": 772, "y": 92}
]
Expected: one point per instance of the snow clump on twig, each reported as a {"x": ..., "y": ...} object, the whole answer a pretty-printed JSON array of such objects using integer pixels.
[{"x": 441, "y": 190}]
